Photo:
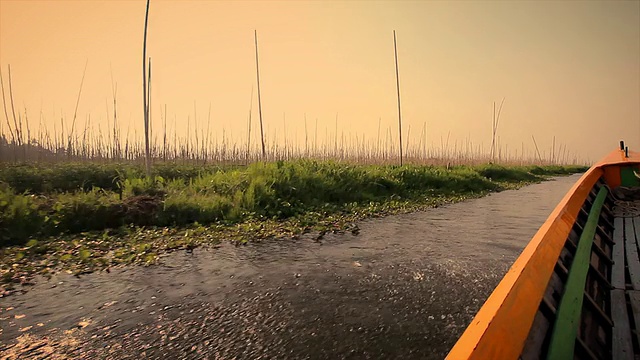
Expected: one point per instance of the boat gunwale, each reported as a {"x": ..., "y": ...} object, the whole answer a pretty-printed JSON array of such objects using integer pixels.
[{"x": 516, "y": 299}]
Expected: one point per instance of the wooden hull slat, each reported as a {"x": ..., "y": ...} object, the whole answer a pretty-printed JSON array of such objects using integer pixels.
[
  {"x": 634, "y": 300},
  {"x": 617, "y": 271},
  {"x": 622, "y": 347},
  {"x": 631, "y": 248}
]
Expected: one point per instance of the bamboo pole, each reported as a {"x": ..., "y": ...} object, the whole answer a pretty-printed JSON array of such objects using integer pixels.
[
  {"x": 164, "y": 135},
  {"x": 4, "y": 103},
  {"x": 149, "y": 111},
  {"x": 114, "y": 90},
  {"x": 553, "y": 151},
  {"x": 496, "y": 119},
  {"x": 13, "y": 111},
  {"x": 537, "y": 151},
  {"x": 306, "y": 137},
  {"x": 395, "y": 48},
  {"x": 264, "y": 152},
  {"x": 249, "y": 130},
  {"x": 144, "y": 93},
  {"x": 335, "y": 146}
]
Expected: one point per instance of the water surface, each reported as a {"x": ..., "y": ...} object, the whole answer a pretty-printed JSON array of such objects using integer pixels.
[{"x": 405, "y": 287}]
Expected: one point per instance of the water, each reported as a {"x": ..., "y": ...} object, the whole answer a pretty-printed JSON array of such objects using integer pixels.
[{"x": 405, "y": 287}]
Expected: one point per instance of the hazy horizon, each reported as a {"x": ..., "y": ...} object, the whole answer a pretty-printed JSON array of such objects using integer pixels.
[{"x": 566, "y": 69}]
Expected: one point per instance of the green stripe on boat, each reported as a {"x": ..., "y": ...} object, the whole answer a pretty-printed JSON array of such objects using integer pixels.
[{"x": 565, "y": 329}]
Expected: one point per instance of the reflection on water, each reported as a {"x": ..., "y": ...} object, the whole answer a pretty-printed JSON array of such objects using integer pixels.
[{"x": 406, "y": 286}]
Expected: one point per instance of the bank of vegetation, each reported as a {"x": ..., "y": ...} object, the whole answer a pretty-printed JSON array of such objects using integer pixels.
[{"x": 88, "y": 215}]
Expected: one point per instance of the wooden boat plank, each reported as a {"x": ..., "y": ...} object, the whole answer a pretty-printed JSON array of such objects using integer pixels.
[
  {"x": 597, "y": 310},
  {"x": 631, "y": 247},
  {"x": 617, "y": 270},
  {"x": 602, "y": 280},
  {"x": 601, "y": 253},
  {"x": 622, "y": 347},
  {"x": 607, "y": 238},
  {"x": 636, "y": 227},
  {"x": 634, "y": 299},
  {"x": 585, "y": 348}
]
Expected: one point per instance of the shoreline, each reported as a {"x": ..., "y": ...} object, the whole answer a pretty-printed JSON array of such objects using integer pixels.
[{"x": 87, "y": 252}]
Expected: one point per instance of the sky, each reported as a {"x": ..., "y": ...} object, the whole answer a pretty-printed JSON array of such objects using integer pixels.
[{"x": 566, "y": 69}]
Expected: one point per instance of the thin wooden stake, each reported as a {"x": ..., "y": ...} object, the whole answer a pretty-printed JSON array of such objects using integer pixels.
[
  {"x": 496, "y": 119},
  {"x": 306, "y": 137},
  {"x": 395, "y": 48},
  {"x": 4, "y": 103},
  {"x": 264, "y": 151},
  {"x": 149, "y": 110},
  {"x": 378, "y": 144},
  {"x": 164, "y": 136},
  {"x": 407, "y": 142},
  {"x": 144, "y": 94},
  {"x": 249, "y": 132},
  {"x": 537, "y": 151},
  {"x": 494, "y": 141},
  {"x": 335, "y": 151},
  {"x": 13, "y": 110},
  {"x": 114, "y": 90},
  {"x": 195, "y": 131},
  {"x": 424, "y": 141},
  {"x": 206, "y": 141}
]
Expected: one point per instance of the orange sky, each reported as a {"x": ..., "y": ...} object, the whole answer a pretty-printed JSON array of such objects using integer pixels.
[{"x": 567, "y": 69}]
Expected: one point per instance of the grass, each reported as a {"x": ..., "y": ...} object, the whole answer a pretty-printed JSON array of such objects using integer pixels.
[
  {"x": 86, "y": 216},
  {"x": 74, "y": 198}
]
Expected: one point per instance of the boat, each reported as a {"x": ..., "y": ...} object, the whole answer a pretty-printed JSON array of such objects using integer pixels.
[{"x": 574, "y": 291}]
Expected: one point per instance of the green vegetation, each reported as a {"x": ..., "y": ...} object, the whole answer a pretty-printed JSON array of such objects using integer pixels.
[
  {"x": 88, "y": 215},
  {"x": 74, "y": 198}
]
